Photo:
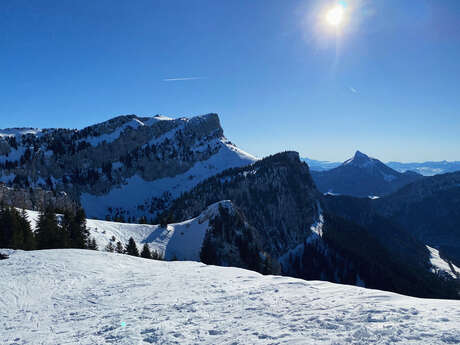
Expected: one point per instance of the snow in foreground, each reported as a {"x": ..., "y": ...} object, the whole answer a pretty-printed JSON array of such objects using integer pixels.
[{"x": 89, "y": 297}]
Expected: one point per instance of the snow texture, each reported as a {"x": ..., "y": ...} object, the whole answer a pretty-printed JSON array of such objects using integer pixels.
[{"x": 89, "y": 297}]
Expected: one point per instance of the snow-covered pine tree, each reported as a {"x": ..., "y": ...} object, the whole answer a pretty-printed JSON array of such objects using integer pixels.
[
  {"x": 109, "y": 247},
  {"x": 119, "y": 248},
  {"x": 92, "y": 244}
]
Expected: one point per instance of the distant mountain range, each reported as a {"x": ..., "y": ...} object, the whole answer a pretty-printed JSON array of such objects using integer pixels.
[
  {"x": 362, "y": 176},
  {"x": 425, "y": 168},
  {"x": 320, "y": 165},
  {"x": 225, "y": 207}
]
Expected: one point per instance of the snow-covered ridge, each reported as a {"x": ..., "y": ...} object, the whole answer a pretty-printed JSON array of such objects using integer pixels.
[
  {"x": 87, "y": 297},
  {"x": 130, "y": 121},
  {"x": 440, "y": 265},
  {"x": 127, "y": 167},
  {"x": 114, "y": 135},
  {"x": 180, "y": 241},
  {"x": 18, "y": 132}
]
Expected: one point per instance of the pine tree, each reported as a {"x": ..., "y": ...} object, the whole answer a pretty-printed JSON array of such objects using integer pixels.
[
  {"x": 146, "y": 252},
  {"x": 208, "y": 254},
  {"x": 7, "y": 229},
  {"x": 109, "y": 247},
  {"x": 131, "y": 248},
  {"x": 92, "y": 244},
  {"x": 15, "y": 231},
  {"x": 28, "y": 235},
  {"x": 78, "y": 231},
  {"x": 156, "y": 255},
  {"x": 48, "y": 233},
  {"x": 119, "y": 248}
]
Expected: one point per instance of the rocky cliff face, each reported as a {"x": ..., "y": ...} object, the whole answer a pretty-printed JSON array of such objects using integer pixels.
[
  {"x": 36, "y": 199},
  {"x": 127, "y": 167}
]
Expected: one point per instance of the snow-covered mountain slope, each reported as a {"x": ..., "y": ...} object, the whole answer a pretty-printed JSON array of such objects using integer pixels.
[
  {"x": 135, "y": 188},
  {"x": 442, "y": 266},
  {"x": 181, "y": 241},
  {"x": 362, "y": 176},
  {"x": 86, "y": 297},
  {"x": 127, "y": 167}
]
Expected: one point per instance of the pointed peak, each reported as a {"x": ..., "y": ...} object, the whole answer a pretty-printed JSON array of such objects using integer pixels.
[
  {"x": 359, "y": 159},
  {"x": 359, "y": 154}
]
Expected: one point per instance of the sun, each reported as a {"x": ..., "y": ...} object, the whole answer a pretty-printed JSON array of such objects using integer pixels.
[{"x": 336, "y": 15}]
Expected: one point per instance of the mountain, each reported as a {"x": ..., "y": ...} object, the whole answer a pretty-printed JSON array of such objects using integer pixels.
[
  {"x": 280, "y": 222},
  {"x": 428, "y": 209},
  {"x": 89, "y": 297},
  {"x": 316, "y": 165},
  {"x": 217, "y": 203},
  {"x": 125, "y": 168},
  {"x": 362, "y": 176},
  {"x": 426, "y": 168}
]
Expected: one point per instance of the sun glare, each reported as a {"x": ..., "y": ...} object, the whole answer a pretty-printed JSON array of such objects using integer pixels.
[{"x": 335, "y": 16}]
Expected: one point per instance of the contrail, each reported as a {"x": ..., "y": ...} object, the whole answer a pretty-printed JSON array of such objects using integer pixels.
[{"x": 182, "y": 79}]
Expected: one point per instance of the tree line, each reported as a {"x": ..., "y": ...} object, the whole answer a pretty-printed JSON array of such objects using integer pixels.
[
  {"x": 51, "y": 232},
  {"x": 130, "y": 248}
]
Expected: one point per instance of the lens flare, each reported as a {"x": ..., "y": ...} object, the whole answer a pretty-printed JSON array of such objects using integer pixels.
[{"x": 335, "y": 15}]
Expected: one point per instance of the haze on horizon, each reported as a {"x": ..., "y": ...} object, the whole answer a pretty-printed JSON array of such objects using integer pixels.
[{"x": 324, "y": 78}]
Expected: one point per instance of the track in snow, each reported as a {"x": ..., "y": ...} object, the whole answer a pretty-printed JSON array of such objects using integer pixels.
[{"x": 88, "y": 297}]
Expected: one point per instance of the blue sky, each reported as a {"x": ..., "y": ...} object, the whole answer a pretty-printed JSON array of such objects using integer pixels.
[{"x": 280, "y": 78}]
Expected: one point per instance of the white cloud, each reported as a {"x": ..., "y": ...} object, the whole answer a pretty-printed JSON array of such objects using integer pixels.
[{"x": 183, "y": 79}]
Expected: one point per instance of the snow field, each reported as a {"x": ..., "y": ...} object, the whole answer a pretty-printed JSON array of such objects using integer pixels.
[{"x": 89, "y": 297}]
